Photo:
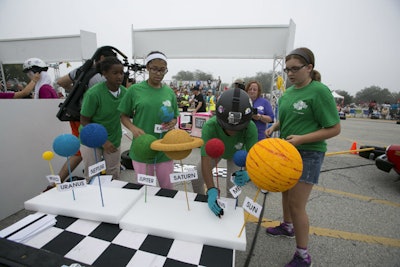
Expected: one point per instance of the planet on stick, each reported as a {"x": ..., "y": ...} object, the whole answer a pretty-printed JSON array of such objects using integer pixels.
[
  {"x": 48, "y": 155},
  {"x": 177, "y": 144},
  {"x": 141, "y": 147},
  {"x": 215, "y": 148},
  {"x": 66, "y": 145},
  {"x": 274, "y": 164},
  {"x": 240, "y": 158},
  {"x": 93, "y": 135}
]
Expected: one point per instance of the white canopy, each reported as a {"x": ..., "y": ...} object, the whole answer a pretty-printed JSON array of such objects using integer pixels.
[{"x": 336, "y": 95}]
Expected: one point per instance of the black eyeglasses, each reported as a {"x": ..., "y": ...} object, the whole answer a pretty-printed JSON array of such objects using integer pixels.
[
  {"x": 160, "y": 71},
  {"x": 293, "y": 69}
]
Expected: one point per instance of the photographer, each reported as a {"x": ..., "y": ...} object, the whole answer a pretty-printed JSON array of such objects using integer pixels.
[{"x": 67, "y": 82}]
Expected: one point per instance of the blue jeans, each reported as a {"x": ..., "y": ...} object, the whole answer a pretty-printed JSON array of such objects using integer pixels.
[{"x": 312, "y": 162}]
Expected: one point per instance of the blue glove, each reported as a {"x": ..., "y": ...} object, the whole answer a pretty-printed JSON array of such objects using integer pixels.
[
  {"x": 241, "y": 178},
  {"x": 212, "y": 195}
]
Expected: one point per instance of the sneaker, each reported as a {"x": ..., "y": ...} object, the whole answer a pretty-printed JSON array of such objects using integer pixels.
[
  {"x": 280, "y": 230},
  {"x": 298, "y": 261}
]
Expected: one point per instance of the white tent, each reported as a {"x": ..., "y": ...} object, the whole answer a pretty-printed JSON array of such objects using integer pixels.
[{"x": 336, "y": 95}]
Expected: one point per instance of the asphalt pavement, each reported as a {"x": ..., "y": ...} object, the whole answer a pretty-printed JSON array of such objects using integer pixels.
[{"x": 353, "y": 212}]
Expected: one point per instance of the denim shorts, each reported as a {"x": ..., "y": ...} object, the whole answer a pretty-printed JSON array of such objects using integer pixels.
[{"x": 312, "y": 162}]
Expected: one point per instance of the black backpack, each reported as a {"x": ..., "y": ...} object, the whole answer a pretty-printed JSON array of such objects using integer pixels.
[{"x": 70, "y": 109}]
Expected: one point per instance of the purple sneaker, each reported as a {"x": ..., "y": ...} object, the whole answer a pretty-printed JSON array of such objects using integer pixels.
[
  {"x": 298, "y": 261},
  {"x": 280, "y": 230}
]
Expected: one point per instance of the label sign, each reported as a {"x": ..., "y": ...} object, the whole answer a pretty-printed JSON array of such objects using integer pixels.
[
  {"x": 183, "y": 176},
  {"x": 71, "y": 185},
  {"x": 147, "y": 179},
  {"x": 223, "y": 204},
  {"x": 159, "y": 129},
  {"x": 97, "y": 168},
  {"x": 235, "y": 191},
  {"x": 53, "y": 178},
  {"x": 252, "y": 207}
]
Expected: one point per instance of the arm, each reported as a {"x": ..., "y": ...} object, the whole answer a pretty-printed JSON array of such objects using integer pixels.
[
  {"x": 169, "y": 125},
  {"x": 273, "y": 128},
  {"x": 26, "y": 91},
  {"x": 126, "y": 121},
  {"x": 322, "y": 134},
  {"x": 212, "y": 192},
  {"x": 206, "y": 169},
  {"x": 29, "y": 87},
  {"x": 85, "y": 120},
  {"x": 262, "y": 118},
  {"x": 198, "y": 107},
  {"x": 65, "y": 82}
]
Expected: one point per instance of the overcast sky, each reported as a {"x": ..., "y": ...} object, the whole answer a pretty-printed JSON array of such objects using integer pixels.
[{"x": 356, "y": 42}]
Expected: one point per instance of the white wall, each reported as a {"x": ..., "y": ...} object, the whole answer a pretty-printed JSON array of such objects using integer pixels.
[{"x": 28, "y": 128}]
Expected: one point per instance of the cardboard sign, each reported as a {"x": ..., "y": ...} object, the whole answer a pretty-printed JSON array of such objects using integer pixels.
[
  {"x": 159, "y": 129},
  {"x": 235, "y": 191},
  {"x": 97, "y": 168},
  {"x": 53, "y": 179},
  {"x": 252, "y": 207},
  {"x": 183, "y": 176},
  {"x": 67, "y": 186},
  {"x": 147, "y": 179}
]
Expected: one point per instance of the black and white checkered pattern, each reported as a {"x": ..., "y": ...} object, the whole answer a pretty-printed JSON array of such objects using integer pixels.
[{"x": 104, "y": 244}]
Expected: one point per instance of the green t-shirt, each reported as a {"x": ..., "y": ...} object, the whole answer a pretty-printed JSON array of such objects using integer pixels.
[
  {"x": 242, "y": 140},
  {"x": 306, "y": 110},
  {"x": 145, "y": 104},
  {"x": 101, "y": 106}
]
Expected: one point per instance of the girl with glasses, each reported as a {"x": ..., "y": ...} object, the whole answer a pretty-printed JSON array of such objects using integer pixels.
[
  {"x": 307, "y": 117},
  {"x": 153, "y": 108}
]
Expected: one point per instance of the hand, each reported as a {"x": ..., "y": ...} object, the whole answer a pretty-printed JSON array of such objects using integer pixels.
[
  {"x": 169, "y": 125},
  {"x": 241, "y": 178},
  {"x": 35, "y": 77},
  {"x": 212, "y": 195},
  {"x": 269, "y": 132},
  {"x": 109, "y": 147}
]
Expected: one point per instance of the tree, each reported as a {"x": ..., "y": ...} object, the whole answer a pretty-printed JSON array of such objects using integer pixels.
[
  {"x": 348, "y": 99},
  {"x": 197, "y": 75},
  {"x": 264, "y": 78},
  {"x": 374, "y": 93},
  {"x": 184, "y": 76},
  {"x": 14, "y": 72},
  {"x": 202, "y": 76}
]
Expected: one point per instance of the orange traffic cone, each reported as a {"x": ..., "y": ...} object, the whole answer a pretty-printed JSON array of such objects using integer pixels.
[{"x": 354, "y": 147}]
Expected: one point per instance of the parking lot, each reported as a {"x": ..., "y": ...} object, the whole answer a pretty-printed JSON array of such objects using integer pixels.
[{"x": 354, "y": 211}]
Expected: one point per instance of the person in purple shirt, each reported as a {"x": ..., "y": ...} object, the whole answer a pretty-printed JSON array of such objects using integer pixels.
[
  {"x": 262, "y": 114},
  {"x": 43, "y": 87}
]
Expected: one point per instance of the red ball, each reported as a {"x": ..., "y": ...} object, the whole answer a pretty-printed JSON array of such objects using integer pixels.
[{"x": 215, "y": 148}]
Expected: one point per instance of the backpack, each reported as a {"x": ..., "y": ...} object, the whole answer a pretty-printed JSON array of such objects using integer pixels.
[{"x": 70, "y": 109}]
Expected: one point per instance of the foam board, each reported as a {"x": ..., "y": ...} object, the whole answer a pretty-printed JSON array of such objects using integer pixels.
[
  {"x": 170, "y": 218},
  {"x": 87, "y": 204}
]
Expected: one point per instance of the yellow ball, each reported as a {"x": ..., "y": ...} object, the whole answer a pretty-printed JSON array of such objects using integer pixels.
[
  {"x": 274, "y": 164},
  {"x": 47, "y": 155}
]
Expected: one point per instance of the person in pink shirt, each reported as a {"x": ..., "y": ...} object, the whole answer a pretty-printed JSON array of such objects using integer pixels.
[
  {"x": 24, "y": 92},
  {"x": 43, "y": 87}
]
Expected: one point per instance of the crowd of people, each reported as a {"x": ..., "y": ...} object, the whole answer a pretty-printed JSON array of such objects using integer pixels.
[{"x": 240, "y": 118}]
